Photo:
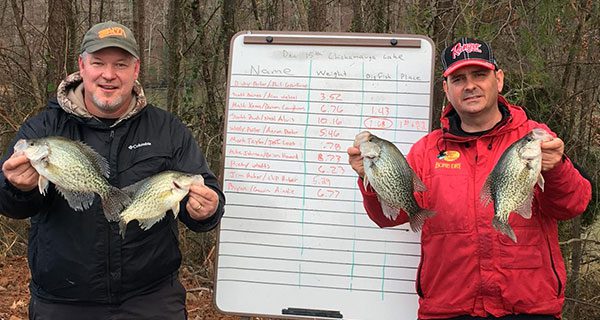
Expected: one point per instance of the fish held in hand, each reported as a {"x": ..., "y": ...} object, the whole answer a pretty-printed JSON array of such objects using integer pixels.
[
  {"x": 77, "y": 171},
  {"x": 511, "y": 184},
  {"x": 154, "y": 196},
  {"x": 394, "y": 181}
]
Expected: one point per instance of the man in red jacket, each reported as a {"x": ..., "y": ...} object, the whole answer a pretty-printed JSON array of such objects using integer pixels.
[{"x": 468, "y": 269}]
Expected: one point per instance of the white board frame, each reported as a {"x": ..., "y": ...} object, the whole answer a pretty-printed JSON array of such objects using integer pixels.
[{"x": 295, "y": 241}]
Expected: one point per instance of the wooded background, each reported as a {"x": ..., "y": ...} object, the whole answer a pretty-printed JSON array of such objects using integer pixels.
[{"x": 549, "y": 50}]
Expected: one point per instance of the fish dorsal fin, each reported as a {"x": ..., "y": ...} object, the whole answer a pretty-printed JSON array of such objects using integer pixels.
[
  {"x": 98, "y": 161},
  {"x": 132, "y": 189}
]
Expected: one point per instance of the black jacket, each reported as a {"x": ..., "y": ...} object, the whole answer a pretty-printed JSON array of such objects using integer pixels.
[{"x": 80, "y": 256}]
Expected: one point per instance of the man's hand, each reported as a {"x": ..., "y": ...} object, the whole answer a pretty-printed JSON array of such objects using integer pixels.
[
  {"x": 552, "y": 153},
  {"x": 356, "y": 161},
  {"x": 18, "y": 171},
  {"x": 202, "y": 202}
]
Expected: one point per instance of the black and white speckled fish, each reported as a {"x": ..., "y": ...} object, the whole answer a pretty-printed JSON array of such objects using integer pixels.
[{"x": 394, "y": 181}]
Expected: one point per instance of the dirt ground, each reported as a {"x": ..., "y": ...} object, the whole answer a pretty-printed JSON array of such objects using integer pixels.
[{"x": 14, "y": 293}]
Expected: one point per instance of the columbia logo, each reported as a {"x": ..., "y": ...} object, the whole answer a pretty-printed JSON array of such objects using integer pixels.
[{"x": 139, "y": 145}]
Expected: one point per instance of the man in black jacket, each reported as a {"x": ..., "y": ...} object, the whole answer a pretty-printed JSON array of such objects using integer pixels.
[{"x": 81, "y": 267}]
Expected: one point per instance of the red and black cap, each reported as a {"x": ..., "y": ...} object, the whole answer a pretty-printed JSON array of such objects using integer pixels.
[{"x": 467, "y": 52}]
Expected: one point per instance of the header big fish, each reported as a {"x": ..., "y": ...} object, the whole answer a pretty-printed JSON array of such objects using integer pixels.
[
  {"x": 77, "y": 171},
  {"x": 387, "y": 171}
]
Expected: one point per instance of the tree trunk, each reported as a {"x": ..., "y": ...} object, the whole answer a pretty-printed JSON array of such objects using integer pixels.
[
  {"x": 139, "y": 16},
  {"x": 208, "y": 117},
  {"x": 357, "y": 17},
  {"x": 63, "y": 48},
  {"x": 228, "y": 26},
  {"x": 57, "y": 44},
  {"x": 37, "y": 90},
  {"x": 572, "y": 290},
  {"x": 173, "y": 41},
  {"x": 380, "y": 21},
  {"x": 89, "y": 17},
  {"x": 271, "y": 15},
  {"x": 317, "y": 15},
  {"x": 101, "y": 13},
  {"x": 439, "y": 36},
  {"x": 302, "y": 15},
  {"x": 256, "y": 15},
  {"x": 571, "y": 68}
]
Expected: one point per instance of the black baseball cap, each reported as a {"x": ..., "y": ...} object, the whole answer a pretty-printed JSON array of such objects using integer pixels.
[
  {"x": 467, "y": 52},
  {"x": 109, "y": 34}
]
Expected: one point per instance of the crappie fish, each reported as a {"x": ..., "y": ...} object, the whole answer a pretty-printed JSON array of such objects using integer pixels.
[
  {"x": 511, "y": 183},
  {"x": 387, "y": 171},
  {"x": 154, "y": 196},
  {"x": 77, "y": 171}
]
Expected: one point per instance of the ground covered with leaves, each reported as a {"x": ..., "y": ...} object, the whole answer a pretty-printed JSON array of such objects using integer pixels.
[{"x": 14, "y": 279}]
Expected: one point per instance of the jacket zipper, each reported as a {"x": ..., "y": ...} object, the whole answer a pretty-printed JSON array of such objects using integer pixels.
[{"x": 109, "y": 230}]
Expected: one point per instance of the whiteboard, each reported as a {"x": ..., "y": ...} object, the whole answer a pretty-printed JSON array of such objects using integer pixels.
[{"x": 295, "y": 241}]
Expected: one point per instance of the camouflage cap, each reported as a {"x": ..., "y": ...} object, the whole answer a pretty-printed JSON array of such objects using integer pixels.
[{"x": 109, "y": 34}]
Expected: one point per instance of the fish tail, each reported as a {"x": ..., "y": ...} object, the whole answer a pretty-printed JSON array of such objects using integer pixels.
[
  {"x": 418, "y": 219},
  {"x": 504, "y": 228},
  {"x": 113, "y": 202}
]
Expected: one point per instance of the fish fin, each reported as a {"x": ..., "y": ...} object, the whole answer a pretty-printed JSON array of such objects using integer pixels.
[
  {"x": 485, "y": 195},
  {"x": 524, "y": 210},
  {"x": 504, "y": 227},
  {"x": 540, "y": 182},
  {"x": 132, "y": 189},
  {"x": 122, "y": 228},
  {"x": 365, "y": 182},
  {"x": 418, "y": 185},
  {"x": 175, "y": 209},
  {"x": 77, "y": 200},
  {"x": 388, "y": 211},
  {"x": 113, "y": 202},
  {"x": 147, "y": 223},
  {"x": 98, "y": 161},
  {"x": 43, "y": 184},
  {"x": 417, "y": 220}
]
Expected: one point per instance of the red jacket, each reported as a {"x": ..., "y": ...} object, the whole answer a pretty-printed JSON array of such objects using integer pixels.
[{"x": 467, "y": 267}]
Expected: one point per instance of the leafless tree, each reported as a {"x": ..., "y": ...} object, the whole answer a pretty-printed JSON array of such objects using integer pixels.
[{"x": 139, "y": 19}]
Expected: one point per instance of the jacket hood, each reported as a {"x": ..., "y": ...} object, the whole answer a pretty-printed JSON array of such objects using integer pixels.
[{"x": 71, "y": 83}]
